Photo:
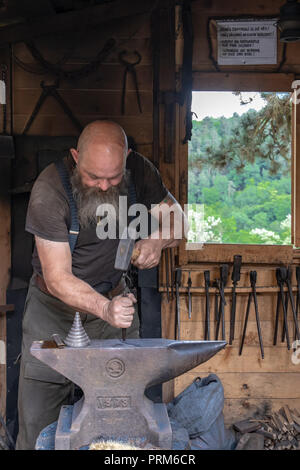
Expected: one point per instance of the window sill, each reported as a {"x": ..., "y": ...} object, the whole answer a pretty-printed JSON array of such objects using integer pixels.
[{"x": 223, "y": 253}]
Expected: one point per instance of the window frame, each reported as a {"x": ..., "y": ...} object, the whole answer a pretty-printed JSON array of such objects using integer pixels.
[{"x": 220, "y": 252}]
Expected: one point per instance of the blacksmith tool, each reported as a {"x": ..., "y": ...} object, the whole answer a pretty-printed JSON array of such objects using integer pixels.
[
  {"x": 177, "y": 285},
  {"x": 221, "y": 285},
  {"x": 253, "y": 277},
  {"x": 6, "y": 141},
  {"x": 125, "y": 254},
  {"x": 286, "y": 307},
  {"x": 172, "y": 271},
  {"x": 281, "y": 275},
  {"x": 58, "y": 341},
  {"x": 216, "y": 286},
  {"x": 51, "y": 90},
  {"x": 288, "y": 282},
  {"x": 298, "y": 294},
  {"x": 130, "y": 68},
  {"x": 10, "y": 440},
  {"x": 235, "y": 277},
  {"x": 77, "y": 336},
  {"x": 113, "y": 377},
  {"x": 166, "y": 253},
  {"x": 189, "y": 283},
  {"x": 207, "y": 306}
]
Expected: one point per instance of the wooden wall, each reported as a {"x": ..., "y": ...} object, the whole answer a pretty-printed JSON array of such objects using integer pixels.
[
  {"x": 95, "y": 96},
  {"x": 5, "y": 241},
  {"x": 249, "y": 381},
  {"x": 5, "y": 169},
  {"x": 91, "y": 97}
]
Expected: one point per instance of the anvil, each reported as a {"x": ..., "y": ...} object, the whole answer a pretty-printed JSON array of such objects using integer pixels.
[{"x": 113, "y": 375}]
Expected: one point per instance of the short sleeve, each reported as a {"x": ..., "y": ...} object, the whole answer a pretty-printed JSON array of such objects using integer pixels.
[
  {"x": 48, "y": 209},
  {"x": 149, "y": 184}
]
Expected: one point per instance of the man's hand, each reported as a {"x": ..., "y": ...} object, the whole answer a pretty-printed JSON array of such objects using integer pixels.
[
  {"x": 119, "y": 311},
  {"x": 150, "y": 253}
]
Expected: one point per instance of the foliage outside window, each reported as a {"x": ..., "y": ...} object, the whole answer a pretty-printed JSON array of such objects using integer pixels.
[{"x": 239, "y": 170}]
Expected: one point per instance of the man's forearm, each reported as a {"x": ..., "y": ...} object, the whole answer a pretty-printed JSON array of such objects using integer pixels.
[{"x": 76, "y": 293}]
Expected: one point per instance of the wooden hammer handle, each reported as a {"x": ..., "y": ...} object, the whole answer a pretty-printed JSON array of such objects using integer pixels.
[{"x": 135, "y": 254}]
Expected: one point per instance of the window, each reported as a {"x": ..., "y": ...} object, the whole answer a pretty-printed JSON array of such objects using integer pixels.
[{"x": 239, "y": 168}]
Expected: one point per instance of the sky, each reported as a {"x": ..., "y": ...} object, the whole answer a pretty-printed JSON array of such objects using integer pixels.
[{"x": 220, "y": 103}]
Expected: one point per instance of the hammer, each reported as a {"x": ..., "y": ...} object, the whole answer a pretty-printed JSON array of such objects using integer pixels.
[{"x": 125, "y": 254}]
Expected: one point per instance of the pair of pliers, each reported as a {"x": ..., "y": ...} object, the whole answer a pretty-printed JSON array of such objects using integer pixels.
[{"x": 130, "y": 68}]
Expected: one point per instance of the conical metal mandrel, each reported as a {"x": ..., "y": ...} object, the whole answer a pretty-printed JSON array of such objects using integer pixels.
[{"x": 77, "y": 337}]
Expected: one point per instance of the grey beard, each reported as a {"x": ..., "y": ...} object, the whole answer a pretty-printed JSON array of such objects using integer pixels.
[{"x": 88, "y": 199}]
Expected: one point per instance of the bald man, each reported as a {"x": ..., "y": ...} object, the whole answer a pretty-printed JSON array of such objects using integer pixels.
[{"x": 83, "y": 279}]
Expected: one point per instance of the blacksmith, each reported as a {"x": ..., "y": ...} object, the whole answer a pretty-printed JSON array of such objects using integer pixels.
[{"x": 75, "y": 271}]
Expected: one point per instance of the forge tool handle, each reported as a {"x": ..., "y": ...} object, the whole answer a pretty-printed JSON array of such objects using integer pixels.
[
  {"x": 189, "y": 283},
  {"x": 298, "y": 274},
  {"x": 253, "y": 277},
  {"x": 235, "y": 277},
  {"x": 236, "y": 271},
  {"x": 178, "y": 273},
  {"x": 289, "y": 273},
  {"x": 135, "y": 254},
  {"x": 207, "y": 278},
  {"x": 281, "y": 275},
  {"x": 224, "y": 274}
]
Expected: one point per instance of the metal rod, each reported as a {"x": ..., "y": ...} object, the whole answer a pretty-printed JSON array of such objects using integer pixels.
[
  {"x": 207, "y": 306},
  {"x": 245, "y": 324}
]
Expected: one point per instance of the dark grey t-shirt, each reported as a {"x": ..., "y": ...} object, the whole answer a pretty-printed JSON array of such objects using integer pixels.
[{"x": 48, "y": 216}]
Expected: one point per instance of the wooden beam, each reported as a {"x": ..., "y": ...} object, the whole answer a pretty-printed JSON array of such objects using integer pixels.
[
  {"x": 5, "y": 166},
  {"x": 70, "y": 21},
  {"x": 242, "y": 81},
  {"x": 223, "y": 253}
]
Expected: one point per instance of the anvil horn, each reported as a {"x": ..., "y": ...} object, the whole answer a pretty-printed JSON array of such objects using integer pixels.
[{"x": 182, "y": 356}]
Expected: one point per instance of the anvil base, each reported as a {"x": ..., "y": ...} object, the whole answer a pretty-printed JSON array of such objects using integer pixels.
[{"x": 160, "y": 437}]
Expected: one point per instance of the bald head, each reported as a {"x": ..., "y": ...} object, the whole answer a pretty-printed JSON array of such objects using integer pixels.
[
  {"x": 102, "y": 131},
  {"x": 101, "y": 154}
]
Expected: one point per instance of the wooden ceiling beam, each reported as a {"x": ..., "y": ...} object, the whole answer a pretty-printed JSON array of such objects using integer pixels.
[{"x": 70, "y": 21}]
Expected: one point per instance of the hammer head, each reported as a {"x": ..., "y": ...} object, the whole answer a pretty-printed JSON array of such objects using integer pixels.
[{"x": 124, "y": 254}]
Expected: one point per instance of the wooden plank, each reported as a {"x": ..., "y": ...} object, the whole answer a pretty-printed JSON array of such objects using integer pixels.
[
  {"x": 296, "y": 175},
  {"x": 235, "y": 8},
  {"x": 61, "y": 125},
  {"x": 293, "y": 168},
  {"x": 237, "y": 409},
  {"x": 5, "y": 254},
  {"x": 257, "y": 254},
  {"x": 247, "y": 385},
  {"x": 27, "y": 9},
  {"x": 72, "y": 20},
  {"x": 202, "y": 60},
  {"x": 194, "y": 331},
  {"x": 182, "y": 161},
  {"x": 266, "y": 306},
  {"x": 266, "y": 276},
  {"x": 242, "y": 81},
  {"x": 239, "y": 290},
  {"x": 7, "y": 308},
  {"x": 84, "y": 102},
  {"x": 109, "y": 77},
  {"x": 201, "y": 46},
  {"x": 54, "y": 49}
]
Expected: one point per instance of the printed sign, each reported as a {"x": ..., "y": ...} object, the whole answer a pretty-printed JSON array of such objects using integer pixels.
[{"x": 244, "y": 42}]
